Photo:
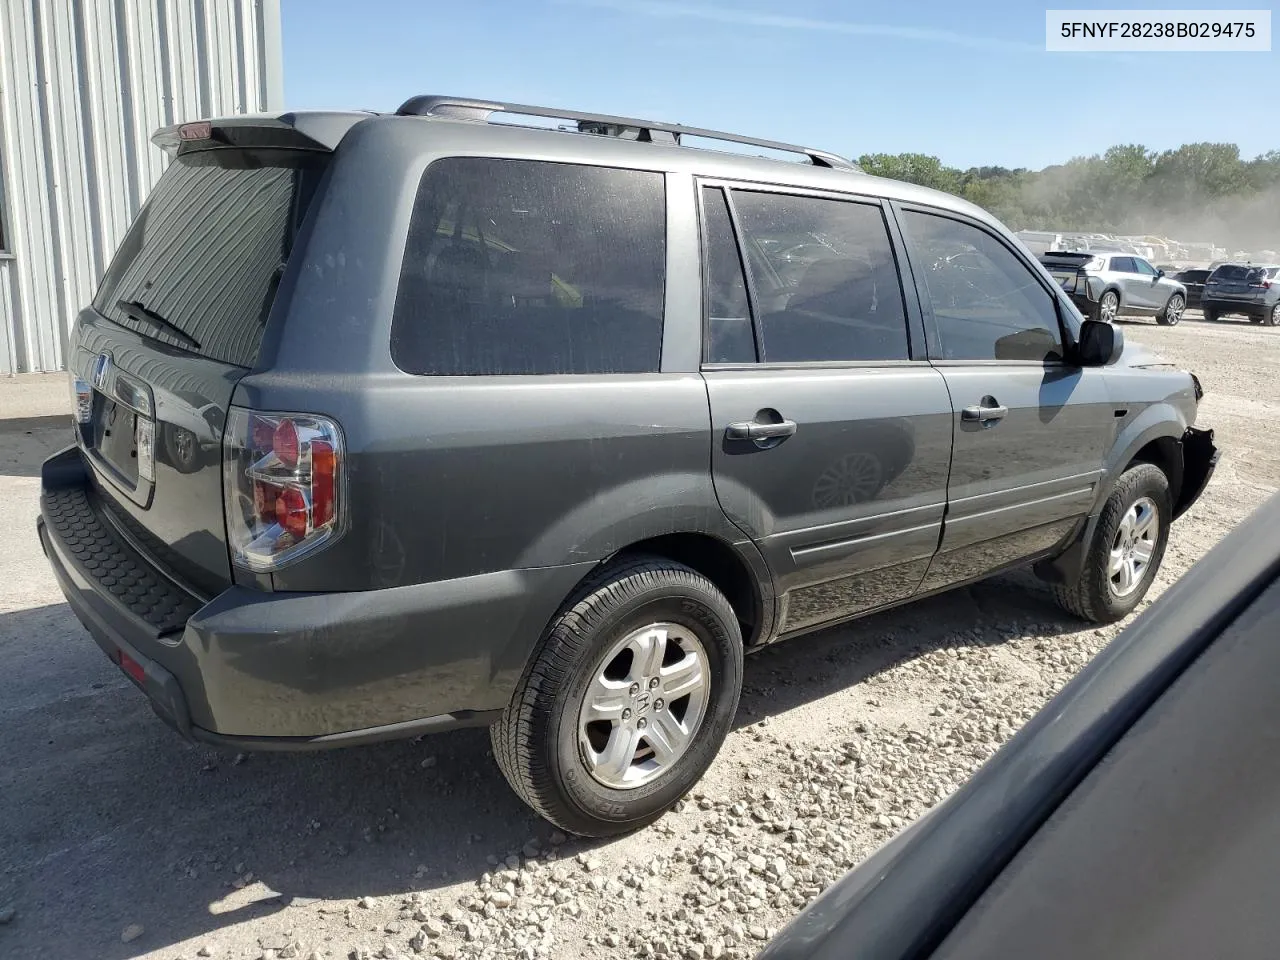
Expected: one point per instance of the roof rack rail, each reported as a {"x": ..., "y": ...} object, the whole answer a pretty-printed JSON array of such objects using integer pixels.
[{"x": 630, "y": 128}]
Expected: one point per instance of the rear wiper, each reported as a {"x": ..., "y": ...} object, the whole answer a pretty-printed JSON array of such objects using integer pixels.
[{"x": 140, "y": 311}]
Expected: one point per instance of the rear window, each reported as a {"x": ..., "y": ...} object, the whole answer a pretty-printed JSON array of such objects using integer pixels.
[
  {"x": 200, "y": 265},
  {"x": 529, "y": 267},
  {"x": 1237, "y": 272}
]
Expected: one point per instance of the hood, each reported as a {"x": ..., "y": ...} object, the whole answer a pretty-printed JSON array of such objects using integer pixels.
[{"x": 1136, "y": 355}]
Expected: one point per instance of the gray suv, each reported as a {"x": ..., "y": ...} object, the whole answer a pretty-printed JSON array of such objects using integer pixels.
[
  {"x": 1243, "y": 288},
  {"x": 545, "y": 429},
  {"x": 1104, "y": 285}
]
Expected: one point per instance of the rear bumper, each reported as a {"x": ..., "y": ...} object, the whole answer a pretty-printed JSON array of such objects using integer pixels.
[
  {"x": 1249, "y": 308},
  {"x": 256, "y": 670}
]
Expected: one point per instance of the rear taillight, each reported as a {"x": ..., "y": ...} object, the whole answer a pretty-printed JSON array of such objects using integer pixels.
[{"x": 282, "y": 486}]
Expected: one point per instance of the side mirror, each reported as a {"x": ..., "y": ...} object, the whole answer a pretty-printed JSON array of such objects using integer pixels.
[
  {"x": 1159, "y": 273},
  {"x": 1100, "y": 344}
]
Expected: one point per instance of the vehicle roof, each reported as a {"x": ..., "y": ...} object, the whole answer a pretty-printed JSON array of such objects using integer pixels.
[
  {"x": 697, "y": 160},
  {"x": 1247, "y": 265}
]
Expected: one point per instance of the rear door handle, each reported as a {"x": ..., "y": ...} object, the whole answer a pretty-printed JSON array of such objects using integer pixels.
[
  {"x": 754, "y": 430},
  {"x": 980, "y": 414}
]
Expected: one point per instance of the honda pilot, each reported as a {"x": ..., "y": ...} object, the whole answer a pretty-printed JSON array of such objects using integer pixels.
[{"x": 388, "y": 424}]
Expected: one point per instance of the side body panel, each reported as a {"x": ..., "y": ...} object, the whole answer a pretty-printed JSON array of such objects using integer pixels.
[
  {"x": 847, "y": 511},
  {"x": 1021, "y": 481},
  {"x": 457, "y": 476}
]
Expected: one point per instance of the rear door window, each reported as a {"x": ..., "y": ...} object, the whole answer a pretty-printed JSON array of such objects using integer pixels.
[
  {"x": 526, "y": 267},
  {"x": 1123, "y": 265},
  {"x": 824, "y": 278},
  {"x": 729, "y": 337},
  {"x": 200, "y": 265},
  {"x": 986, "y": 303}
]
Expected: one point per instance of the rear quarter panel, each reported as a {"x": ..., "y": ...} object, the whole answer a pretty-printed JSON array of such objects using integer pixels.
[{"x": 456, "y": 476}]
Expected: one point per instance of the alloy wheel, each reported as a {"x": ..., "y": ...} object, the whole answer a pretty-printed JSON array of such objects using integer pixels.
[
  {"x": 644, "y": 705},
  {"x": 1109, "y": 306},
  {"x": 1133, "y": 547}
]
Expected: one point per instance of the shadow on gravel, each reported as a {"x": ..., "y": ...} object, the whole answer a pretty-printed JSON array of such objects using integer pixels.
[{"x": 111, "y": 819}]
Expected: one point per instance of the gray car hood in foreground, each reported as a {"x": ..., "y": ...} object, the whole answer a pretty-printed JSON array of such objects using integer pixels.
[{"x": 1136, "y": 355}]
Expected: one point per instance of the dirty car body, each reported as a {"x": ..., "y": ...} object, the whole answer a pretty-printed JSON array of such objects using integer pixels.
[{"x": 438, "y": 379}]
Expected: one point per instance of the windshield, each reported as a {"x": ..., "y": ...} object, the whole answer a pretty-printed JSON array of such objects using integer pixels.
[{"x": 198, "y": 269}]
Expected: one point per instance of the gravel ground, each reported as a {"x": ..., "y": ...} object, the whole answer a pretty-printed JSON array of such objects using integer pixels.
[{"x": 118, "y": 840}]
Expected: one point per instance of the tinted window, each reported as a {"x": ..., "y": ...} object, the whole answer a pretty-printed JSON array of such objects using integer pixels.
[
  {"x": 729, "y": 338},
  {"x": 1243, "y": 273},
  {"x": 825, "y": 278},
  {"x": 1141, "y": 266},
  {"x": 207, "y": 250},
  {"x": 1123, "y": 265},
  {"x": 524, "y": 267},
  {"x": 987, "y": 304}
]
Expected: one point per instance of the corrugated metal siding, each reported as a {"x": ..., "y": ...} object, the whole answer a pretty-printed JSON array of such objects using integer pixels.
[{"x": 83, "y": 84}]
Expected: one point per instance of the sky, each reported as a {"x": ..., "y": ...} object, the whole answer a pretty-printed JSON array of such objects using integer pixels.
[{"x": 969, "y": 82}]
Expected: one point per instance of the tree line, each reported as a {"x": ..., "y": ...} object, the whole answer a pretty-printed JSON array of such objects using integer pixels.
[{"x": 1128, "y": 189}]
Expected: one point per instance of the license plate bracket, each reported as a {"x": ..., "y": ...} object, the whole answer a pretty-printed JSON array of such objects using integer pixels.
[{"x": 114, "y": 437}]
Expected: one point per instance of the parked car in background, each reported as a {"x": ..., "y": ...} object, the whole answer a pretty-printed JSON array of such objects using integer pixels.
[
  {"x": 616, "y": 412},
  {"x": 1192, "y": 279},
  {"x": 1132, "y": 818},
  {"x": 1105, "y": 284},
  {"x": 1244, "y": 289}
]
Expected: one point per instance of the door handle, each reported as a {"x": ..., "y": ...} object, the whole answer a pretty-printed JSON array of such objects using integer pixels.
[
  {"x": 754, "y": 430},
  {"x": 984, "y": 414}
]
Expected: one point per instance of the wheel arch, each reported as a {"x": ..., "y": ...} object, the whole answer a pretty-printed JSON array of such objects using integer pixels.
[
  {"x": 1155, "y": 438},
  {"x": 737, "y": 570}
]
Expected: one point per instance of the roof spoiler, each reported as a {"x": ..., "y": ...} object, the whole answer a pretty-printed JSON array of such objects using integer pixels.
[{"x": 310, "y": 130}]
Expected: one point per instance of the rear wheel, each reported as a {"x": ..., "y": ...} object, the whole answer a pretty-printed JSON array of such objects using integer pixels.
[
  {"x": 1172, "y": 311},
  {"x": 1108, "y": 307},
  {"x": 1273, "y": 318},
  {"x": 1128, "y": 545},
  {"x": 1211, "y": 315},
  {"x": 627, "y": 701}
]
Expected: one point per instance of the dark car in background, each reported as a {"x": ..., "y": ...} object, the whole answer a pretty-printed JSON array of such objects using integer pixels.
[
  {"x": 1244, "y": 289},
  {"x": 1193, "y": 279}
]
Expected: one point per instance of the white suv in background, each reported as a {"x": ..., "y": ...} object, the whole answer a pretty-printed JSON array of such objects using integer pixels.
[{"x": 1104, "y": 284}]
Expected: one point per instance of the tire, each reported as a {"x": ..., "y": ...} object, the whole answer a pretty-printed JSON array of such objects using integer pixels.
[
  {"x": 1095, "y": 596},
  {"x": 1108, "y": 307},
  {"x": 1273, "y": 318},
  {"x": 542, "y": 744},
  {"x": 1211, "y": 317},
  {"x": 1172, "y": 311}
]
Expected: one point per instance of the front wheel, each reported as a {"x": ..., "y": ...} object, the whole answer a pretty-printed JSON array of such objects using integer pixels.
[
  {"x": 627, "y": 701},
  {"x": 1108, "y": 307},
  {"x": 1128, "y": 545},
  {"x": 1211, "y": 316},
  {"x": 1172, "y": 311}
]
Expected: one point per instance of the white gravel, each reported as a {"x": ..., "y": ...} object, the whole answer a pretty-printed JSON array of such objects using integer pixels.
[{"x": 416, "y": 850}]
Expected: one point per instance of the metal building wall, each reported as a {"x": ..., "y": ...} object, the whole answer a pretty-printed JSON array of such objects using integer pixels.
[{"x": 83, "y": 85}]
